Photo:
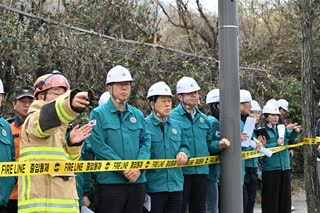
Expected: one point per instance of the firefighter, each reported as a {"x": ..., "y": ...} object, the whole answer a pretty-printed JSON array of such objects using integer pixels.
[
  {"x": 43, "y": 139},
  {"x": 7, "y": 154},
  {"x": 21, "y": 104}
]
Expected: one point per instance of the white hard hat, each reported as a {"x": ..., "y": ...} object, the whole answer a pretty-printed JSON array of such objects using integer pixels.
[
  {"x": 213, "y": 96},
  {"x": 159, "y": 88},
  {"x": 118, "y": 74},
  {"x": 255, "y": 107},
  {"x": 283, "y": 104},
  {"x": 272, "y": 101},
  {"x": 187, "y": 85},
  {"x": 271, "y": 109},
  {"x": 104, "y": 98},
  {"x": 1, "y": 87},
  {"x": 245, "y": 96}
]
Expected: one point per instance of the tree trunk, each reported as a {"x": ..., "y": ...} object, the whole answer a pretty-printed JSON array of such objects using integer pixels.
[{"x": 310, "y": 164}]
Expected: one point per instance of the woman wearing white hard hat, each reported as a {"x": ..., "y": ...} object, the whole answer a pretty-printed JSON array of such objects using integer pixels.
[
  {"x": 215, "y": 148},
  {"x": 119, "y": 134},
  {"x": 198, "y": 132},
  {"x": 165, "y": 186},
  {"x": 276, "y": 180}
]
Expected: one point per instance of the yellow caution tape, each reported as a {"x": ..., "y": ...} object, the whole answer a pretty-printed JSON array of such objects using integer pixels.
[
  {"x": 70, "y": 167},
  {"x": 8, "y": 169}
]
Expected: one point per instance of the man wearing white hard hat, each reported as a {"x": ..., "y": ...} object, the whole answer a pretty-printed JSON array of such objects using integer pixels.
[
  {"x": 119, "y": 134},
  {"x": 165, "y": 186},
  {"x": 276, "y": 180},
  {"x": 247, "y": 171},
  {"x": 212, "y": 200},
  {"x": 251, "y": 165},
  {"x": 199, "y": 134},
  {"x": 7, "y": 154}
]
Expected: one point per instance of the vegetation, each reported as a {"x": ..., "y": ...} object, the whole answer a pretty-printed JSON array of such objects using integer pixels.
[{"x": 269, "y": 36}]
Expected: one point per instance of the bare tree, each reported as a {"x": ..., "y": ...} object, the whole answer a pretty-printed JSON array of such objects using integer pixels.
[
  {"x": 310, "y": 167},
  {"x": 200, "y": 28}
]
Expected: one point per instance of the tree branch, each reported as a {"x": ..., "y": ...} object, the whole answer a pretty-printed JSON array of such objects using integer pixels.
[
  {"x": 91, "y": 32},
  {"x": 169, "y": 18}
]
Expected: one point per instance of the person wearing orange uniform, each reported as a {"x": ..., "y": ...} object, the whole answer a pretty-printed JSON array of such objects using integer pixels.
[{"x": 21, "y": 104}]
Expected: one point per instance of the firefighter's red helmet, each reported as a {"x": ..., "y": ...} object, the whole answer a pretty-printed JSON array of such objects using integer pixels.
[{"x": 47, "y": 81}]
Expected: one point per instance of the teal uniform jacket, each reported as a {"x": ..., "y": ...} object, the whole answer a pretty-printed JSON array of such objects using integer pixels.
[
  {"x": 84, "y": 186},
  {"x": 165, "y": 144},
  {"x": 243, "y": 149},
  {"x": 279, "y": 160},
  {"x": 198, "y": 133},
  {"x": 119, "y": 136},
  {"x": 214, "y": 169},
  {"x": 7, "y": 154}
]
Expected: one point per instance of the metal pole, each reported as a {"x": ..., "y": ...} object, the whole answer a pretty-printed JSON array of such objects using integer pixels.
[{"x": 231, "y": 166}]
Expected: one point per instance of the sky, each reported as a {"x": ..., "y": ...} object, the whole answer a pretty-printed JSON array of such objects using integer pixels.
[{"x": 209, "y": 5}]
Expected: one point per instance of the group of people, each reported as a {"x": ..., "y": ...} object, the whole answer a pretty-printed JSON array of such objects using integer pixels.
[{"x": 119, "y": 131}]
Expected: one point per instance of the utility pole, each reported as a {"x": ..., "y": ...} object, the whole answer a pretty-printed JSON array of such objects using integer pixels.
[{"x": 229, "y": 84}]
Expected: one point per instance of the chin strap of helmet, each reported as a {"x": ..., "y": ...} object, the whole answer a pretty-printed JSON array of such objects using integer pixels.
[
  {"x": 186, "y": 106},
  {"x": 155, "y": 112},
  {"x": 122, "y": 103}
]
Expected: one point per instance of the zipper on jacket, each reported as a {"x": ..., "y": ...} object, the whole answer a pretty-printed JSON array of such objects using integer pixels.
[
  {"x": 162, "y": 127},
  {"x": 120, "y": 119}
]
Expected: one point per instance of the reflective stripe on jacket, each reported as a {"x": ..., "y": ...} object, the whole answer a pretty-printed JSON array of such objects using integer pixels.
[{"x": 41, "y": 141}]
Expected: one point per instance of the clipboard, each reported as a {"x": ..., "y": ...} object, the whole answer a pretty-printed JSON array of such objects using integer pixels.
[{"x": 262, "y": 132}]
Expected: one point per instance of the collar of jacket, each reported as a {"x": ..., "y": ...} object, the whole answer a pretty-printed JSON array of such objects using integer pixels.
[
  {"x": 17, "y": 121},
  {"x": 182, "y": 111},
  {"x": 114, "y": 109},
  {"x": 156, "y": 121}
]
